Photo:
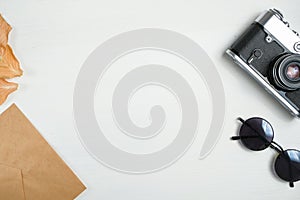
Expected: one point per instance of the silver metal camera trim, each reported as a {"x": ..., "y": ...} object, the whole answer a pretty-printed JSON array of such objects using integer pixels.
[
  {"x": 275, "y": 26},
  {"x": 270, "y": 89}
]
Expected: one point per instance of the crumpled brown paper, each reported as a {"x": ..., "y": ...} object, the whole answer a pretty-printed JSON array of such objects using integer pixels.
[{"x": 29, "y": 168}]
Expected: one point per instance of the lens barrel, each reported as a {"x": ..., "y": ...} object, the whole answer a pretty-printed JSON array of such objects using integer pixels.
[{"x": 285, "y": 73}]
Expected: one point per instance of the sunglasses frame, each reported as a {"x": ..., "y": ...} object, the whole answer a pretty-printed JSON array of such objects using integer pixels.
[{"x": 272, "y": 144}]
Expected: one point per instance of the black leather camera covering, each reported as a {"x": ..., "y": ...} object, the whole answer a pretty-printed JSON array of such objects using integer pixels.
[
  {"x": 255, "y": 38},
  {"x": 294, "y": 97}
]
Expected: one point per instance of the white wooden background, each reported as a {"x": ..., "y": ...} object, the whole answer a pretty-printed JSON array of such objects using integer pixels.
[{"x": 53, "y": 38}]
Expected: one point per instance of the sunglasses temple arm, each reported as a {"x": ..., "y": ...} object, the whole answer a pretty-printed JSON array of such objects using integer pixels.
[
  {"x": 243, "y": 137},
  {"x": 235, "y": 138},
  {"x": 238, "y": 137},
  {"x": 291, "y": 173},
  {"x": 241, "y": 120}
]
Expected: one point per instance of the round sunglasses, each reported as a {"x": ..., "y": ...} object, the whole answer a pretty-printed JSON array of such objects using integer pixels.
[{"x": 257, "y": 134}]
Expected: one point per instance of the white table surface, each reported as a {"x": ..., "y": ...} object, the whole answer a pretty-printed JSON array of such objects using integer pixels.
[{"x": 52, "y": 39}]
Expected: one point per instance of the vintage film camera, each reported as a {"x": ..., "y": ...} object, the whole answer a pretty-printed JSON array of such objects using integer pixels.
[{"x": 270, "y": 52}]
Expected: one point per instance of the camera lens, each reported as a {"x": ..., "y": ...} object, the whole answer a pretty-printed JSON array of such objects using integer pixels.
[
  {"x": 286, "y": 72},
  {"x": 293, "y": 72}
]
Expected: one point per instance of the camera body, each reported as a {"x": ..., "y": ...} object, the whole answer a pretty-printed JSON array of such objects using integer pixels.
[{"x": 270, "y": 52}]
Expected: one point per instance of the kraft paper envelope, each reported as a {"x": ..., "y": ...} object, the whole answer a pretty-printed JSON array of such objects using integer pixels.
[{"x": 29, "y": 168}]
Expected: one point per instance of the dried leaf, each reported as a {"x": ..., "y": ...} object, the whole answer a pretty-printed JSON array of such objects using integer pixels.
[
  {"x": 9, "y": 65},
  {"x": 5, "y": 29},
  {"x": 6, "y": 88}
]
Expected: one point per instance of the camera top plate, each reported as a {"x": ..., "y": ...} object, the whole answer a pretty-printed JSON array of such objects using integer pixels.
[{"x": 278, "y": 29}]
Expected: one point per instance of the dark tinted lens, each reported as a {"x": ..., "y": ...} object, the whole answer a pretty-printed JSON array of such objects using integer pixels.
[
  {"x": 256, "y": 134},
  {"x": 287, "y": 165},
  {"x": 293, "y": 72}
]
